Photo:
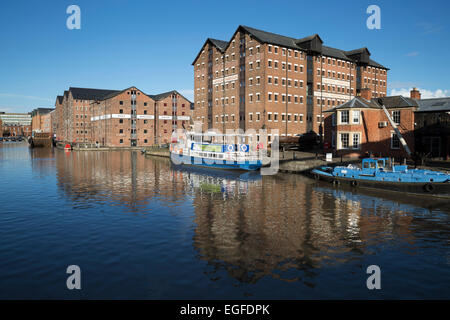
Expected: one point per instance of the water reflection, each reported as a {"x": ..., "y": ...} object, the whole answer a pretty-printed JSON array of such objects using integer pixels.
[{"x": 287, "y": 227}]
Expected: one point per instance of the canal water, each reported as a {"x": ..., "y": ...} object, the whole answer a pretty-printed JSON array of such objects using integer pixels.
[{"x": 138, "y": 227}]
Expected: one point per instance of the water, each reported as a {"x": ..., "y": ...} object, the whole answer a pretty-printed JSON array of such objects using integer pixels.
[{"x": 141, "y": 228}]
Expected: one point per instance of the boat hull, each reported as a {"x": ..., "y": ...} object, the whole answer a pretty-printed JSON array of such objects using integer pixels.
[
  {"x": 216, "y": 163},
  {"x": 434, "y": 188}
]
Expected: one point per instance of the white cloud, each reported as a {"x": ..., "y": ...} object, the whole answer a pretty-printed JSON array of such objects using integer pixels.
[
  {"x": 412, "y": 54},
  {"x": 425, "y": 94}
]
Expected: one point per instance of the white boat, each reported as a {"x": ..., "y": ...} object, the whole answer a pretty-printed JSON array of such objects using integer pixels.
[{"x": 221, "y": 151}]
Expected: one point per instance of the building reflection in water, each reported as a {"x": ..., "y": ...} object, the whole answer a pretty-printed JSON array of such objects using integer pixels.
[{"x": 283, "y": 226}]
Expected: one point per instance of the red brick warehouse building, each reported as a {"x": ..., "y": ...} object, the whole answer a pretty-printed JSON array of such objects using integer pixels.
[
  {"x": 260, "y": 80},
  {"x": 114, "y": 118}
]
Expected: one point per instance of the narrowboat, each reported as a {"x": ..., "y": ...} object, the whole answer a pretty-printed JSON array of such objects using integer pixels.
[
  {"x": 377, "y": 173},
  {"x": 219, "y": 151}
]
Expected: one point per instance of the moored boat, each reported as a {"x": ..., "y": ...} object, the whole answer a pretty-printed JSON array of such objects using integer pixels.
[
  {"x": 376, "y": 173},
  {"x": 220, "y": 151}
]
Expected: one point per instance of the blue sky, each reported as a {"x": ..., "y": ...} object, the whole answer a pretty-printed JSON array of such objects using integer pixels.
[{"x": 151, "y": 44}]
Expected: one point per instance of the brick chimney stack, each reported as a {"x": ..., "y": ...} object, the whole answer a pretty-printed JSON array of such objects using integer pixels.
[
  {"x": 415, "y": 94},
  {"x": 366, "y": 93}
]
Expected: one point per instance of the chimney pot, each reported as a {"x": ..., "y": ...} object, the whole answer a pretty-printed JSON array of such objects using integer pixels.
[
  {"x": 415, "y": 94},
  {"x": 366, "y": 93}
]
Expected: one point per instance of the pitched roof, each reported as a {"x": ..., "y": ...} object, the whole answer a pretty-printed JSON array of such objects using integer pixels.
[
  {"x": 114, "y": 93},
  {"x": 397, "y": 102},
  {"x": 434, "y": 105},
  {"x": 59, "y": 99},
  {"x": 163, "y": 95},
  {"x": 357, "y": 51},
  {"x": 220, "y": 44},
  {"x": 272, "y": 38},
  {"x": 357, "y": 103},
  {"x": 90, "y": 94},
  {"x": 376, "y": 103},
  {"x": 292, "y": 43}
]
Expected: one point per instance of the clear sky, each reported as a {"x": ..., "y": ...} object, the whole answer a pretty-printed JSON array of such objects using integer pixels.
[{"x": 151, "y": 44}]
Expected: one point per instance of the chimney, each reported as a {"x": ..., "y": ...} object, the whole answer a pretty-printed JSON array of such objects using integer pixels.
[
  {"x": 415, "y": 94},
  {"x": 366, "y": 93}
]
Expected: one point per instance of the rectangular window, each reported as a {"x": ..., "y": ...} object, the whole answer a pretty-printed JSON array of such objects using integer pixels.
[
  {"x": 356, "y": 114},
  {"x": 344, "y": 116},
  {"x": 356, "y": 141},
  {"x": 395, "y": 141},
  {"x": 344, "y": 140},
  {"x": 396, "y": 116}
]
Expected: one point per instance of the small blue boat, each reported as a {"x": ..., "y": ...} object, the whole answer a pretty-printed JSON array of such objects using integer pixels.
[
  {"x": 376, "y": 173},
  {"x": 216, "y": 151}
]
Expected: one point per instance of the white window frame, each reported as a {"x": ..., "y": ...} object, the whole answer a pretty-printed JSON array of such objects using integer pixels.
[
  {"x": 340, "y": 147},
  {"x": 354, "y": 112},
  {"x": 340, "y": 117}
]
